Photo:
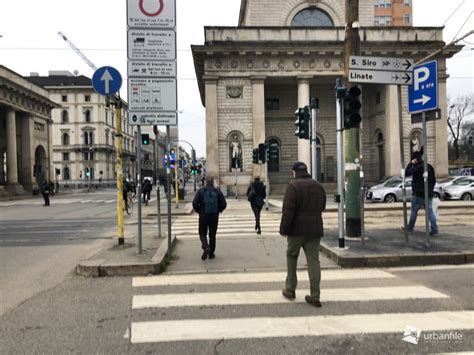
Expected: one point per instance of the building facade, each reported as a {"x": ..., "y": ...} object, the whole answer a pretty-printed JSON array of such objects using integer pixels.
[
  {"x": 253, "y": 77},
  {"x": 26, "y": 134},
  {"x": 84, "y": 132},
  {"x": 393, "y": 13}
]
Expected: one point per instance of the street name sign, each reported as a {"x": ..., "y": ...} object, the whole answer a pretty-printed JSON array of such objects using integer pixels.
[
  {"x": 423, "y": 94},
  {"x": 380, "y": 70},
  {"x": 107, "y": 81},
  {"x": 380, "y": 77},
  {"x": 429, "y": 115},
  {"x": 151, "y": 13}
]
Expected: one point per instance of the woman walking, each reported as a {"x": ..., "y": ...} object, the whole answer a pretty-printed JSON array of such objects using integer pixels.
[{"x": 256, "y": 195}]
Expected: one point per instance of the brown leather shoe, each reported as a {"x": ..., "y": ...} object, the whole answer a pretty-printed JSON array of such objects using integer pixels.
[
  {"x": 312, "y": 301},
  {"x": 291, "y": 295}
]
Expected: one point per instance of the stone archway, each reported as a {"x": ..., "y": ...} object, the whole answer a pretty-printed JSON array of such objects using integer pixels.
[{"x": 41, "y": 164}]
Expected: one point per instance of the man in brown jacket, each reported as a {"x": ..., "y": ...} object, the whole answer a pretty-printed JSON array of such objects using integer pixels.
[{"x": 302, "y": 224}]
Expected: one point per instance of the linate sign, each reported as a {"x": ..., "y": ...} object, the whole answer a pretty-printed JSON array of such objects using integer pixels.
[
  {"x": 151, "y": 14},
  {"x": 380, "y": 77}
]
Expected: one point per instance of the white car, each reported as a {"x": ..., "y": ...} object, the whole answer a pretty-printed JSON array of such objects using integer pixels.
[{"x": 461, "y": 189}]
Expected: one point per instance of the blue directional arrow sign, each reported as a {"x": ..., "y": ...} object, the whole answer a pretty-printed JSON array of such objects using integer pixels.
[
  {"x": 106, "y": 81},
  {"x": 423, "y": 93}
]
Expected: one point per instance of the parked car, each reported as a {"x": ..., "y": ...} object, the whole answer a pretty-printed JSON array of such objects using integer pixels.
[
  {"x": 391, "y": 190},
  {"x": 444, "y": 183},
  {"x": 461, "y": 189}
]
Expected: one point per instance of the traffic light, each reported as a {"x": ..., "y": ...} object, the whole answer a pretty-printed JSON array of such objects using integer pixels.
[
  {"x": 255, "y": 156},
  {"x": 302, "y": 122},
  {"x": 273, "y": 150},
  {"x": 297, "y": 122},
  {"x": 145, "y": 139},
  {"x": 352, "y": 107},
  {"x": 262, "y": 153}
]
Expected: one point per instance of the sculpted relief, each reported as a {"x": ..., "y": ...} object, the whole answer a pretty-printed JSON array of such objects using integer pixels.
[{"x": 272, "y": 64}]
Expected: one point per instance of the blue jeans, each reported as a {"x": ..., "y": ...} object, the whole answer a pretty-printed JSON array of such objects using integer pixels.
[{"x": 416, "y": 204}]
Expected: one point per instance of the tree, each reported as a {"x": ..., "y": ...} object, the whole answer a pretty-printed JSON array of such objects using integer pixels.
[{"x": 458, "y": 109}]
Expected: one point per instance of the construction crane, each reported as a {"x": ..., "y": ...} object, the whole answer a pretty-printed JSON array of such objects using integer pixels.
[{"x": 78, "y": 52}]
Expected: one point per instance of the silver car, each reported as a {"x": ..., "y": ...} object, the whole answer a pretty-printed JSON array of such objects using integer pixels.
[{"x": 461, "y": 189}]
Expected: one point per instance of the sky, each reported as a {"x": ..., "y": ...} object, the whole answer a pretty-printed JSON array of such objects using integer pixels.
[{"x": 29, "y": 42}]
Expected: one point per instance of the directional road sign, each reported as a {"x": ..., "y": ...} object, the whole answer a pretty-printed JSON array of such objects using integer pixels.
[
  {"x": 423, "y": 94},
  {"x": 106, "y": 81},
  {"x": 381, "y": 63},
  {"x": 380, "y": 77}
]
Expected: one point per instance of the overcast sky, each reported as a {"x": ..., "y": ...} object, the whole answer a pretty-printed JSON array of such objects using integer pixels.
[{"x": 29, "y": 42}]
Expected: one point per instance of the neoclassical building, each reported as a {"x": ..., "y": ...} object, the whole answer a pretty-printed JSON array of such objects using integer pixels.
[
  {"x": 253, "y": 77},
  {"x": 26, "y": 130}
]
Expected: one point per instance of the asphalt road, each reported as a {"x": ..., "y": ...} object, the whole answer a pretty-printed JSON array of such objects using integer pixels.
[{"x": 96, "y": 316}]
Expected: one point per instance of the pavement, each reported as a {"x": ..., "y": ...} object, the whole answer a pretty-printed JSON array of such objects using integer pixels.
[{"x": 239, "y": 249}]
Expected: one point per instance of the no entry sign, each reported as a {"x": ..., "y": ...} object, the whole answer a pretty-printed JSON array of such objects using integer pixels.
[{"x": 151, "y": 14}]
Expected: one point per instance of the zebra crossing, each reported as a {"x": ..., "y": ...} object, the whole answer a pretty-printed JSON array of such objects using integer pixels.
[
  {"x": 67, "y": 201},
  {"x": 242, "y": 306}
]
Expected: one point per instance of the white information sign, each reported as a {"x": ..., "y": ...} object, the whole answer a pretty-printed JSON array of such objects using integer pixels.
[
  {"x": 152, "y": 94},
  {"x": 380, "y": 77},
  {"x": 144, "y": 68},
  {"x": 151, "y": 44},
  {"x": 151, "y": 13},
  {"x": 381, "y": 63},
  {"x": 152, "y": 118}
]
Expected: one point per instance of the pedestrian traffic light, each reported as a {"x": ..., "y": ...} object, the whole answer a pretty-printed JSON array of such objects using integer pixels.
[
  {"x": 145, "y": 139},
  {"x": 297, "y": 122},
  {"x": 255, "y": 156},
  {"x": 262, "y": 153},
  {"x": 302, "y": 122},
  {"x": 273, "y": 150},
  {"x": 352, "y": 107}
]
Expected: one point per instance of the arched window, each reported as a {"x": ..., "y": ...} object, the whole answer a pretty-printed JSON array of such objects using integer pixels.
[
  {"x": 64, "y": 117},
  {"x": 65, "y": 139},
  {"x": 312, "y": 17},
  {"x": 273, "y": 155},
  {"x": 87, "y": 115}
]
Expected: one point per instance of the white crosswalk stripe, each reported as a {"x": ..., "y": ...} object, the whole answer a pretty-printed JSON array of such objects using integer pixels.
[{"x": 174, "y": 292}]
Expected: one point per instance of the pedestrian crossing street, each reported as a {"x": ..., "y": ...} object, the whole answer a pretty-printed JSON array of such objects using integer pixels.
[{"x": 209, "y": 307}]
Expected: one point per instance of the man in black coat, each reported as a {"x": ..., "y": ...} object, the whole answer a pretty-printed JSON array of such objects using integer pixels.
[
  {"x": 45, "y": 192},
  {"x": 302, "y": 224},
  {"x": 209, "y": 202},
  {"x": 256, "y": 195}
]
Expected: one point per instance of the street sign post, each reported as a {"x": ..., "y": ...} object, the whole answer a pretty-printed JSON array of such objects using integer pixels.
[
  {"x": 429, "y": 116},
  {"x": 107, "y": 81},
  {"x": 423, "y": 94},
  {"x": 380, "y": 70}
]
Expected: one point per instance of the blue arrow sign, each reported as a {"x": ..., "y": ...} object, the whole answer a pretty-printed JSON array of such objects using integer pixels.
[
  {"x": 106, "y": 81},
  {"x": 423, "y": 93}
]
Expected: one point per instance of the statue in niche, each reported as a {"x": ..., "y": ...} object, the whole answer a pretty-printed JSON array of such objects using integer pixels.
[
  {"x": 236, "y": 153},
  {"x": 415, "y": 142}
]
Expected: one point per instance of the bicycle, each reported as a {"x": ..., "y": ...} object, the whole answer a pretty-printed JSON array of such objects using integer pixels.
[
  {"x": 146, "y": 198},
  {"x": 129, "y": 203}
]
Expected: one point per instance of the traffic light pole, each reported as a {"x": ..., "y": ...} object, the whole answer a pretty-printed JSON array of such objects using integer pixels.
[
  {"x": 118, "y": 170},
  {"x": 314, "y": 158},
  {"x": 340, "y": 171},
  {"x": 139, "y": 185},
  {"x": 168, "y": 185}
]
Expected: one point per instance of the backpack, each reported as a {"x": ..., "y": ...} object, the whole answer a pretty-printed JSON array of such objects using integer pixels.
[
  {"x": 252, "y": 193},
  {"x": 210, "y": 201}
]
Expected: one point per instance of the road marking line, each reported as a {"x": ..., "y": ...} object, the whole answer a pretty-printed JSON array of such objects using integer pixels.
[
  {"x": 274, "y": 297},
  {"x": 255, "y": 277},
  {"x": 431, "y": 267},
  {"x": 266, "y": 327}
]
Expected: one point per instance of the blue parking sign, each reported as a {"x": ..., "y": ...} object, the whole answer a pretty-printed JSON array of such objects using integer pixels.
[{"x": 423, "y": 93}]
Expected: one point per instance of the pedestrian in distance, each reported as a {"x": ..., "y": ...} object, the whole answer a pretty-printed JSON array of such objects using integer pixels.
[
  {"x": 416, "y": 169},
  {"x": 302, "y": 225},
  {"x": 208, "y": 203},
  {"x": 45, "y": 192},
  {"x": 146, "y": 191},
  {"x": 256, "y": 195}
]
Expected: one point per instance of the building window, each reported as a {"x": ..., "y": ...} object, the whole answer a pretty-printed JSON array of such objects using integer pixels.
[
  {"x": 272, "y": 104},
  {"x": 88, "y": 138},
  {"x": 407, "y": 2},
  {"x": 312, "y": 17},
  {"x": 377, "y": 98},
  {"x": 106, "y": 117},
  {"x": 107, "y": 138},
  {"x": 66, "y": 174},
  {"x": 382, "y": 20},
  {"x": 65, "y": 139},
  {"x": 66, "y": 156},
  {"x": 88, "y": 155},
  {"x": 273, "y": 155},
  {"x": 64, "y": 98},
  {"x": 87, "y": 116},
  {"x": 87, "y": 98},
  {"x": 406, "y": 19},
  {"x": 64, "y": 117}
]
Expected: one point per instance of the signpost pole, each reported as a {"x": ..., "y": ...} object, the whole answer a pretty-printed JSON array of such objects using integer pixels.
[
  {"x": 314, "y": 159},
  {"x": 168, "y": 185},
  {"x": 340, "y": 171},
  {"x": 176, "y": 173},
  {"x": 157, "y": 183},
  {"x": 425, "y": 179},
  {"x": 139, "y": 185},
  {"x": 402, "y": 161},
  {"x": 118, "y": 170}
]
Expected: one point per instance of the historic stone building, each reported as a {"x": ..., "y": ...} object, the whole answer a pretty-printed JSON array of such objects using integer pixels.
[
  {"x": 26, "y": 130},
  {"x": 84, "y": 131},
  {"x": 253, "y": 77}
]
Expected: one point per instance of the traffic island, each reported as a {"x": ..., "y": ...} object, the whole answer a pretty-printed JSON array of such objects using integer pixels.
[{"x": 387, "y": 248}]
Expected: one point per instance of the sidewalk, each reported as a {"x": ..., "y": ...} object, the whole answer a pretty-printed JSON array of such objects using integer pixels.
[{"x": 124, "y": 260}]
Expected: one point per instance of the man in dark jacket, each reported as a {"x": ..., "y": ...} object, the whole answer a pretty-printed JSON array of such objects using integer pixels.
[
  {"x": 146, "y": 191},
  {"x": 256, "y": 194},
  {"x": 45, "y": 192},
  {"x": 302, "y": 224},
  {"x": 416, "y": 168},
  {"x": 209, "y": 202}
]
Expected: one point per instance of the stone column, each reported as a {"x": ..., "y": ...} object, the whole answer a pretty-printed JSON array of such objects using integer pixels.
[
  {"x": 304, "y": 145},
  {"x": 392, "y": 134},
  {"x": 212, "y": 137},
  {"x": 27, "y": 152},
  {"x": 50, "y": 159},
  {"x": 258, "y": 109},
  {"x": 12, "y": 164},
  {"x": 440, "y": 160}
]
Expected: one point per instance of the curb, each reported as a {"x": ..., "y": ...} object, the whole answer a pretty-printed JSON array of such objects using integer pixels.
[
  {"x": 101, "y": 268},
  {"x": 391, "y": 260}
]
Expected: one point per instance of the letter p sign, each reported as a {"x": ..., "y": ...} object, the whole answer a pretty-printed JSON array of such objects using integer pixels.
[
  {"x": 420, "y": 76},
  {"x": 423, "y": 93}
]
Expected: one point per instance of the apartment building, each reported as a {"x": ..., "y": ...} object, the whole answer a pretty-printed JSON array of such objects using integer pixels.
[{"x": 393, "y": 13}]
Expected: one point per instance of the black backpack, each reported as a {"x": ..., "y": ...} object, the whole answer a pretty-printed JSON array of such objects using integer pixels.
[{"x": 210, "y": 201}]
